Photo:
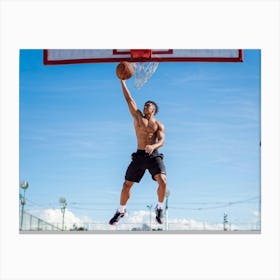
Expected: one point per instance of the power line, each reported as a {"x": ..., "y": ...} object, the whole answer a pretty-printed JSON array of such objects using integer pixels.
[{"x": 215, "y": 206}]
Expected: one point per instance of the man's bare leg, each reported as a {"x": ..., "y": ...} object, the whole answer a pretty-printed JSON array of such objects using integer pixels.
[
  {"x": 161, "y": 192},
  {"x": 125, "y": 194}
]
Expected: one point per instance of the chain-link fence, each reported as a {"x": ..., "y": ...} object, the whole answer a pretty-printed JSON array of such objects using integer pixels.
[{"x": 29, "y": 222}]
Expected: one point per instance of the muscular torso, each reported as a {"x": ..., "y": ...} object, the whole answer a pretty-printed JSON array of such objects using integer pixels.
[{"x": 146, "y": 131}]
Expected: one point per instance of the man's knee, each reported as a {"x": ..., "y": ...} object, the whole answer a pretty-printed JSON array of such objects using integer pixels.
[
  {"x": 127, "y": 185},
  {"x": 161, "y": 178}
]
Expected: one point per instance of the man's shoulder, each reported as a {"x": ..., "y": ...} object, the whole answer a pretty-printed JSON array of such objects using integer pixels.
[
  {"x": 139, "y": 113},
  {"x": 160, "y": 125}
]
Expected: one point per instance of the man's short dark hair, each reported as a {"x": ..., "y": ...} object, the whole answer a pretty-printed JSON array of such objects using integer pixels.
[{"x": 155, "y": 104}]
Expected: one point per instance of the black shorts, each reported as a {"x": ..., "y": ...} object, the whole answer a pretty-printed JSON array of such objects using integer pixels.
[{"x": 142, "y": 161}]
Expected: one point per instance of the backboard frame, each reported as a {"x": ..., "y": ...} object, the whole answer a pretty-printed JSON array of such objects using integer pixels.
[{"x": 76, "y": 56}]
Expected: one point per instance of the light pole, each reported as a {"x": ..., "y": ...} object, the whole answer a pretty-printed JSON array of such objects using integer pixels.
[
  {"x": 63, "y": 205},
  {"x": 150, "y": 208},
  {"x": 225, "y": 222},
  {"x": 24, "y": 186},
  {"x": 167, "y": 194}
]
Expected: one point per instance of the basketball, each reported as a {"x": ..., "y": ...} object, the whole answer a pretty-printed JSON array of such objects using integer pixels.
[{"x": 124, "y": 70}]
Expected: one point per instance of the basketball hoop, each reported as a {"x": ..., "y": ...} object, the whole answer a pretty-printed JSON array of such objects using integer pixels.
[
  {"x": 143, "y": 72},
  {"x": 144, "y": 68}
]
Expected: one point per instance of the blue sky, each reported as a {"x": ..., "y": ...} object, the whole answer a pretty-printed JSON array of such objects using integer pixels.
[{"x": 76, "y": 138}]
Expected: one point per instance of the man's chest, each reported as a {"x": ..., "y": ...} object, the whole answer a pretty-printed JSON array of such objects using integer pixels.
[{"x": 144, "y": 125}]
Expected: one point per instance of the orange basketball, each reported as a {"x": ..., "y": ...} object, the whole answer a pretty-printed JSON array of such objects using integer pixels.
[{"x": 124, "y": 70}]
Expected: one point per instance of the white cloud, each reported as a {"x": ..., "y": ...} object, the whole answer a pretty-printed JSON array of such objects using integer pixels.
[{"x": 54, "y": 217}]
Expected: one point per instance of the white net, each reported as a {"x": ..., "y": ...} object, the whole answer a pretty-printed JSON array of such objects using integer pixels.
[{"x": 143, "y": 72}]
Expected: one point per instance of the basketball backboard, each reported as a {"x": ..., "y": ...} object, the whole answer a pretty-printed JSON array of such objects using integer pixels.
[{"x": 72, "y": 56}]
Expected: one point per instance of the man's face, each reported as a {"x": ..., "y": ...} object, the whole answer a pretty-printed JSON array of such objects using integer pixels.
[{"x": 149, "y": 108}]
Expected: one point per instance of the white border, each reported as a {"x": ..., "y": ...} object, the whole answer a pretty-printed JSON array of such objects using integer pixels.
[{"x": 182, "y": 24}]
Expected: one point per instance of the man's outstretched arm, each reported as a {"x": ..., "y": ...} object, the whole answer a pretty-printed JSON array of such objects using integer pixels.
[{"x": 130, "y": 101}]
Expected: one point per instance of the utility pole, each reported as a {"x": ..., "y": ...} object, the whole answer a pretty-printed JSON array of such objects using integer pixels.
[
  {"x": 63, "y": 205},
  {"x": 225, "y": 222},
  {"x": 167, "y": 194}
]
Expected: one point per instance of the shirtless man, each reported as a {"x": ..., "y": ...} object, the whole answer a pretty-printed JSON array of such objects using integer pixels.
[{"x": 150, "y": 137}]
